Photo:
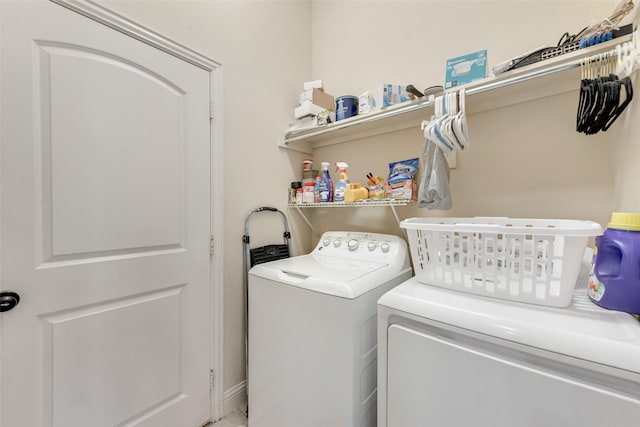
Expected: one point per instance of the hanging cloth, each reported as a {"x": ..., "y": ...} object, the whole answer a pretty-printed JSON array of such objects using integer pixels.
[{"x": 434, "y": 191}]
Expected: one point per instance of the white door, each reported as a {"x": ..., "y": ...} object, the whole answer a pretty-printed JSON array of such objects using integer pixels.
[{"x": 105, "y": 223}]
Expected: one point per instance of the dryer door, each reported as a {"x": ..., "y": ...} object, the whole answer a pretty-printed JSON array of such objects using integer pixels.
[{"x": 440, "y": 378}]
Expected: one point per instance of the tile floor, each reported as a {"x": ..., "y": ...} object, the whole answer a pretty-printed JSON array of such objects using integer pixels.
[{"x": 236, "y": 418}]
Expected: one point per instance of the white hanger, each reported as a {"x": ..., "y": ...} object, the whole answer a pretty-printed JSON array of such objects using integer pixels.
[
  {"x": 618, "y": 67},
  {"x": 432, "y": 133},
  {"x": 449, "y": 125},
  {"x": 446, "y": 125}
]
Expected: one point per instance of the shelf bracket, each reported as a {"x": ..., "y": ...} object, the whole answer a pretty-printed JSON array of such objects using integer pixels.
[
  {"x": 306, "y": 220},
  {"x": 395, "y": 214},
  {"x": 302, "y": 147}
]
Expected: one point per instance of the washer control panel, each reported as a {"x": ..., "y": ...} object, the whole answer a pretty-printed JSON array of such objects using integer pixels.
[{"x": 358, "y": 245}]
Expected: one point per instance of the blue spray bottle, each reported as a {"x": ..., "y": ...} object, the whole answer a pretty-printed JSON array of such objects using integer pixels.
[{"x": 326, "y": 186}]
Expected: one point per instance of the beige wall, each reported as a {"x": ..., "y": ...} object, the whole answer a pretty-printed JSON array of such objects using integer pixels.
[{"x": 525, "y": 159}]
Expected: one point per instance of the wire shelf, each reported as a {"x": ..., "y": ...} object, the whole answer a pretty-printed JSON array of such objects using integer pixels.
[
  {"x": 390, "y": 203},
  {"x": 356, "y": 204},
  {"x": 511, "y": 87}
]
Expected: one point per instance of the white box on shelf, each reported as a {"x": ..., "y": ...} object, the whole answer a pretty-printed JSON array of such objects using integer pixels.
[
  {"x": 307, "y": 109},
  {"x": 314, "y": 84},
  {"x": 303, "y": 123},
  {"x": 391, "y": 94},
  {"x": 366, "y": 103}
]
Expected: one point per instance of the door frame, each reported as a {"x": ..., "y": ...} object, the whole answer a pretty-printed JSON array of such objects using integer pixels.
[{"x": 130, "y": 28}]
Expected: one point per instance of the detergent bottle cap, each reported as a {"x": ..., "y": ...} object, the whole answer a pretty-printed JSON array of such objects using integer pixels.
[
  {"x": 325, "y": 166},
  {"x": 625, "y": 221}
]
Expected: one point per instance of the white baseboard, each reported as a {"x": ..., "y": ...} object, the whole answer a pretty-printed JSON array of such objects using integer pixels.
[{"x": 235, "y": 397}]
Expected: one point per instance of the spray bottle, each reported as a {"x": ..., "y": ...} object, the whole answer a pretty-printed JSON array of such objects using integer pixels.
[
  {"x": 316, "y": 190},
  {"x": 342, "y": 183},
  {"x": 326, "y": 187}
]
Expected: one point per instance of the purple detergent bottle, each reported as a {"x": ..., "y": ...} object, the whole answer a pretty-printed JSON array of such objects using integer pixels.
[{"x": 615, "y": 280}]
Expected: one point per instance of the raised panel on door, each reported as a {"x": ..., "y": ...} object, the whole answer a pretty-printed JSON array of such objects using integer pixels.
[
  {"x": 113, "y": 142},
  {"x": 113, "y": 359},
  {"x": 104, "y": 226}
]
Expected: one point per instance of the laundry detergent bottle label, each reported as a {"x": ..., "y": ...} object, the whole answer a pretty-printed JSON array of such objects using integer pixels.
[
  {"x": 596, "y": 288},
  {"x": 615, "y": 280}
]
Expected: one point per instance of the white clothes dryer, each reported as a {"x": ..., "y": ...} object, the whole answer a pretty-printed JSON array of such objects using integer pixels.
[
  {"x": 313, "y": 331},
  {"x": 447, "y": 358}
]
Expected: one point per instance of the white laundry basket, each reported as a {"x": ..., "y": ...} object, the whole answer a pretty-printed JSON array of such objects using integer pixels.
[{"x": 527, "y": 260}]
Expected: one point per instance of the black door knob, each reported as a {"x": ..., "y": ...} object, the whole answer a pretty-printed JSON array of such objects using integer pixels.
[{"x": 8, "y": 300}]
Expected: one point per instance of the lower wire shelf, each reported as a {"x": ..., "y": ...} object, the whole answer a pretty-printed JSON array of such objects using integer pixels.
[{"x": 392, "y": 203}]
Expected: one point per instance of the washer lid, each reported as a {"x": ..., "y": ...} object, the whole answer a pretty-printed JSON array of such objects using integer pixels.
[
  {"x": 339, "y": 276},
  {"x": 582, "y": 330},
  {"x": 337, "y": 269}
]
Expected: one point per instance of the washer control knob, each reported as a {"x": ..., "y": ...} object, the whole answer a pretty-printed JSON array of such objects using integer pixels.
[
  {"x": 337, "y": 243},
  {"x": 353, "y": 244},
  {"x": 385, "y": 247},
  {"x": 371, "y": 246},
  {"x": 326, "y": 241}
]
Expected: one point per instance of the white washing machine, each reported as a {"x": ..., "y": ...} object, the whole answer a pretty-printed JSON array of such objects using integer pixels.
[
  {"x": 448, "y": 358},
  {"x": 313, "y": 331}
]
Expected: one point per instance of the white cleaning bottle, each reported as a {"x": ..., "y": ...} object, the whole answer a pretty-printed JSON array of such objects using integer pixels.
[{"x": 341, "y": 185}]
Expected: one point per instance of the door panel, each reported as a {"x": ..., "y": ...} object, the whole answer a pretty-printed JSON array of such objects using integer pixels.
[
  {"x": 104, "y": 226},
  {"x": 79, "y": 90},
  {"x": 95, "y": 370}
]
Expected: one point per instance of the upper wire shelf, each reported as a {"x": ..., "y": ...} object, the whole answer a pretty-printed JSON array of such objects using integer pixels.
[{"x": 545, "y": 78}]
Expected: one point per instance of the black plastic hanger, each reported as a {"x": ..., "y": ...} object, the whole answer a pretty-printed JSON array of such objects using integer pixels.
[
  {"x": 608, "y": 103},
  {"x": 628, "y": 87},
  {"x": 584, "y": 102}
]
